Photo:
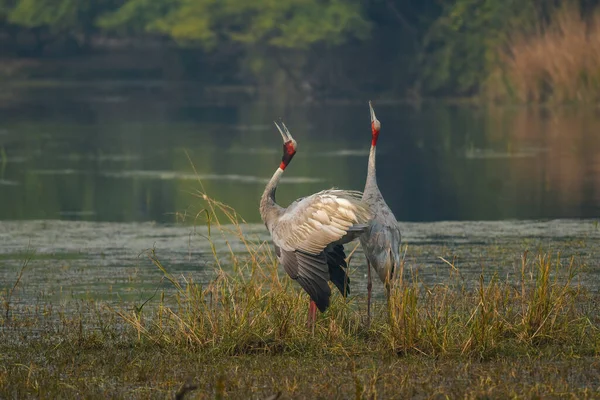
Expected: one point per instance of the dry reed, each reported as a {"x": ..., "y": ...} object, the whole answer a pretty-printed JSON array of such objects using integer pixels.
[{"x": 557, "y": 62}]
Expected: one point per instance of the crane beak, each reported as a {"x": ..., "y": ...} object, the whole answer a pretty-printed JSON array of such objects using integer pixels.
[
  {"x": 285, "y": 133},
  {"x": 373, "y": 117}
]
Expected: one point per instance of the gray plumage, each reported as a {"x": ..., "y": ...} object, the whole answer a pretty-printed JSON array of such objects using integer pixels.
[
  {"x": 308, "y": 235},
  {"x": 381, "y": 240}
]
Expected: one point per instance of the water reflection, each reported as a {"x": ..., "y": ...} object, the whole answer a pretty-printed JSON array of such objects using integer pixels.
[{"x": 66, "y": 155}]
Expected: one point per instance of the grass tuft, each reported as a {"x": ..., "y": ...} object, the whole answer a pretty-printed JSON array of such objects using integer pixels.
[{"x": 250, "y": 308}]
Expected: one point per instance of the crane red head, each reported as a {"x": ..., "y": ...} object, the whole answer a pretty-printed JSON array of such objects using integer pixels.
[
  {"x": 289, "y": 145},
  {"x": 375, "y": 126}
]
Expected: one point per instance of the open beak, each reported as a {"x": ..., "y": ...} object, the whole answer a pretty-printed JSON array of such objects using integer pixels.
[
  {"x": 373, "y": 117},
  {"x": 285, "y": 133}
]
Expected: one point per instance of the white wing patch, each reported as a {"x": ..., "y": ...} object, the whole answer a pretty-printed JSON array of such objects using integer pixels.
[{"x": 318, "y": 220}]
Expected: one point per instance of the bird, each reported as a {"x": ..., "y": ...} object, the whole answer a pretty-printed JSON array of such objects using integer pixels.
[
  {"x": 310, "y": 233},
  {"x": 381, "y": 241}
]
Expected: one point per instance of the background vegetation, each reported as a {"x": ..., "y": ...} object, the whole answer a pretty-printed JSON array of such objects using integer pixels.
[{"x": 528, "y": 50}]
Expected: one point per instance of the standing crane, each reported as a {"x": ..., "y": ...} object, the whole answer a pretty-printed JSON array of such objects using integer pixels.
[
  {"x": 309, "y": 234},
  {"x": 381, "y": 240}
]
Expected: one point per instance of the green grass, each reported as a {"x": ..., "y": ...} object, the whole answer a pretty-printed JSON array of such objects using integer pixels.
[
  {"x": 154, "y": 372},
  {"x": 244, "y": 335}
]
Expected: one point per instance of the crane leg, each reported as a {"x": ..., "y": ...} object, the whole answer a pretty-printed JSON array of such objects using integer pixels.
[
  {"x": 312, "y": 316},
  {"x": 388, "y": 291},
  {"x": 369, "y": 287},
  {"x": 388, "y": 285}
]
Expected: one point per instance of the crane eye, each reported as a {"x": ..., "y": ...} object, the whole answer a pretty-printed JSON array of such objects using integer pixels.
[{"x": 289, "y": 147}]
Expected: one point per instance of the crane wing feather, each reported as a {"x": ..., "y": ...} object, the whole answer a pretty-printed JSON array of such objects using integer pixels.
[
  {"x": 311, "y": 272},
  {"x": 316, "y": 221},
  {"x": 336, "y": 259},
  {"x": 381, "y": 245}
]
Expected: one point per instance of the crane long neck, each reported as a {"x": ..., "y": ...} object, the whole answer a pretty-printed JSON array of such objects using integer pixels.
[
  {"x": 269, "y": 209},
  {"x": 371, "y": 172}
]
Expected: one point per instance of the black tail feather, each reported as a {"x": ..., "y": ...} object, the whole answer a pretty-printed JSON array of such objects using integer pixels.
[{"x": 338, "y": 274}]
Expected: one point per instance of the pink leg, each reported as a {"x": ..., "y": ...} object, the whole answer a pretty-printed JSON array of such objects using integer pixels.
[
  {"x": 312, "y": 315},
  {"x": 369, "y": 287}
]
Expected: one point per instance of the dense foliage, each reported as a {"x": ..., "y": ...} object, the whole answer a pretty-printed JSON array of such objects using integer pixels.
[
  {"x": 439, "y": 48},
  {"x": 292, "y": 23}
]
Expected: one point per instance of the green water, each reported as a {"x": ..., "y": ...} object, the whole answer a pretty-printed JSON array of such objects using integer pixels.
[
  {"x": 118, "y": 154},
  {"x": 92, "y": 177}
]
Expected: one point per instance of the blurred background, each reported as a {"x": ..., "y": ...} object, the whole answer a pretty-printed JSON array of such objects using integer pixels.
[{"x": 488, "y": 107}]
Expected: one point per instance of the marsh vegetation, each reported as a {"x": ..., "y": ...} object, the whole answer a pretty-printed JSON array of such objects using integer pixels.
[{"x": 532, "y": 332}]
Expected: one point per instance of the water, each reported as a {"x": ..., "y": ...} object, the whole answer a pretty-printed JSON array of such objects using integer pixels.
[
  {"x": 111, "y": 154},
  {"x": 91, "y": 176}
]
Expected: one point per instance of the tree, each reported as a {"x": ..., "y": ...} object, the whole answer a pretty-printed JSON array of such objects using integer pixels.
[
  {"x": 296, "y": 24},
  {"x": 50, "y": 20}
]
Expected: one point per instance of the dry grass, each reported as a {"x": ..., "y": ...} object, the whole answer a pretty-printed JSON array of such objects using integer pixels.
[
  {"x": 558, "y": 62},
  {"x": 247, "y": 308},
  {"x": 244, "y": 335},
  {"x": 250, "y": 309}
]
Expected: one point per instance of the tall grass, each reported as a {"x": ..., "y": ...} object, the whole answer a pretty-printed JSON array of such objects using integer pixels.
[
  {"x": 5, "y": 299},
  {"x": 247, "y": 307},
  {"x": 557, "y": 62},
  {"x": 250, "y": 308}
]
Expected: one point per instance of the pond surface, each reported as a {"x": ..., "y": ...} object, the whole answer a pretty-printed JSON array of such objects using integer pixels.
[
  {"x": 110, "y": 261},
  {"x": 91, "y": 176},
  {"x": 117, "y": 154}
]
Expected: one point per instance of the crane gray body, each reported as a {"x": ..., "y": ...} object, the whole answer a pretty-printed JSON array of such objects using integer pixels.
[{"x": 381, "y": 240}]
